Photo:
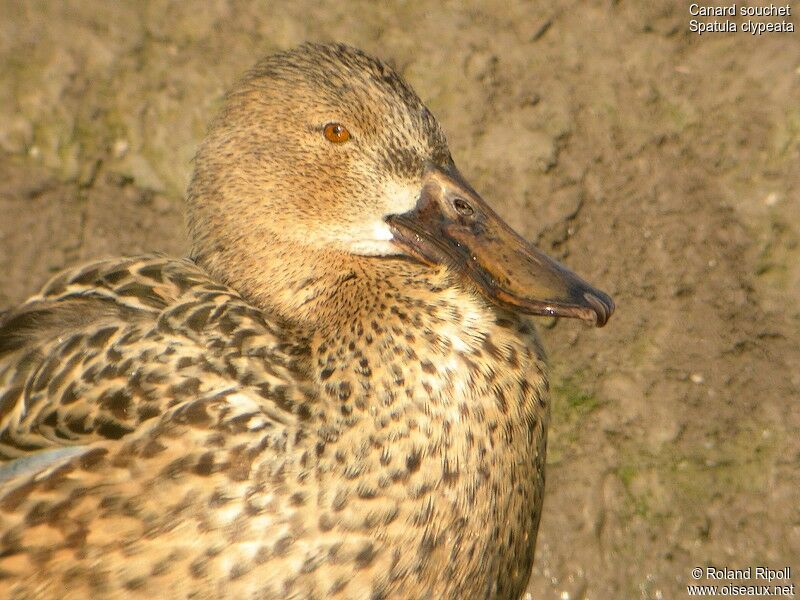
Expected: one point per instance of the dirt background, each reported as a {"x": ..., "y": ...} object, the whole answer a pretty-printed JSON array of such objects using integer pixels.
[{"x": 661, "y": 165}]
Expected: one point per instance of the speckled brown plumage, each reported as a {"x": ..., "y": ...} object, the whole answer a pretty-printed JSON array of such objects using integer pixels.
[{"x": 288, "y": 414}]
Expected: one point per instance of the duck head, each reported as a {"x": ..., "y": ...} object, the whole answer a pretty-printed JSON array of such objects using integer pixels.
[{"x": 323, "y": 157}]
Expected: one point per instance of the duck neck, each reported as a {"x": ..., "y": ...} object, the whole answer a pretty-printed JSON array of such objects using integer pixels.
[
  {"x": 395, "y": 335},
  {"x": 432, "y": 400}
]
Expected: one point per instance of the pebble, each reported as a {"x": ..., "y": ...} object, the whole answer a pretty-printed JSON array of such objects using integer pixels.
[{"x": 120, "y": 148}]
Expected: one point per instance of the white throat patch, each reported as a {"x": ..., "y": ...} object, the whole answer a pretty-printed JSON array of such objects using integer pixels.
[{"x": 375, "y": 238}]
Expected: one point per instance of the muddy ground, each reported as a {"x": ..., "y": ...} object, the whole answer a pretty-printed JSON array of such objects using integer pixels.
[{"x": 660, "y": 164}]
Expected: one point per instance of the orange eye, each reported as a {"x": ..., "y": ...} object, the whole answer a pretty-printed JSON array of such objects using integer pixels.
[{"x": 336, "y": 133}]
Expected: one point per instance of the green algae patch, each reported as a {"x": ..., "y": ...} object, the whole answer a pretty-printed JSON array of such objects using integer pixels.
[
  {"x": 572, "y": 400},
  {"x": 670, "y": 483},
  {"x": 572, "y": 403}
]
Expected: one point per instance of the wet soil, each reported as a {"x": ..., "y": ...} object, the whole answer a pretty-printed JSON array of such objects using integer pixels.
[{"x": 660, "y": 164}]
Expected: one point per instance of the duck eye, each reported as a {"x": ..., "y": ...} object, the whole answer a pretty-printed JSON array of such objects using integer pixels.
[
  {"x": 463, "y": 208},
  {"x": 336, "y": 133}
]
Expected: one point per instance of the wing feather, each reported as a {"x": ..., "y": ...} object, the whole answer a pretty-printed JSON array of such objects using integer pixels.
[{"x": 109, "y": 346}]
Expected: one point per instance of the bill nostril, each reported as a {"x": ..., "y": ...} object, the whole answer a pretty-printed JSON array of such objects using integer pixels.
[{"x": 463, "y": 207}]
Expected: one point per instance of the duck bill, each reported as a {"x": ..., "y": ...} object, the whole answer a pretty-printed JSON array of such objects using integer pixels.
[{"x": 452, "y": 225}]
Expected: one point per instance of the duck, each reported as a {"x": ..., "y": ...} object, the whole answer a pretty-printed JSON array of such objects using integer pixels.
[{"x": 340, "y": 393}]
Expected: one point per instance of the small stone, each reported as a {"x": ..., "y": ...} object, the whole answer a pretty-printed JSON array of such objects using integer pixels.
[
  {"x": 120, "y": 148},
  {"x": 697, "y": 378}
]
